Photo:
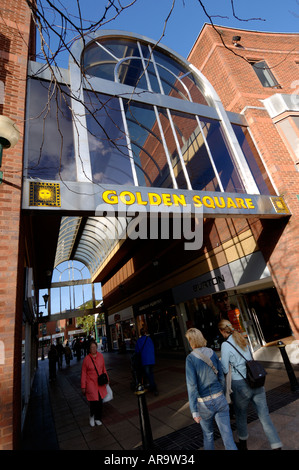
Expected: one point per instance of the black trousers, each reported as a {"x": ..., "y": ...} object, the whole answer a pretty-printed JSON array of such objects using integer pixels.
[{"x": 96, "y": 408}]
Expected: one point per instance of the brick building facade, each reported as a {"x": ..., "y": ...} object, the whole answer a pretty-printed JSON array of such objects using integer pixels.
[
  {"x": 15, "y": 25},
  {"x": 230, "y": 69}
]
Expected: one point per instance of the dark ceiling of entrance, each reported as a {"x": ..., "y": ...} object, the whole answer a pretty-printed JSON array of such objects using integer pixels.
[{"x": 46, "y": 241}]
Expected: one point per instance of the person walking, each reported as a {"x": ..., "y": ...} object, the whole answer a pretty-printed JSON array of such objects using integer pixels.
[
  {"x": 104, "y": 343},
  {"x": 93, "y": 366},
  {"x": 68, "y": 354},
  {"x": 60, "y": 352},
  {"x": 242, "y": 394},
  {"x": 145, "y": 347},
  {"x": 205, "y": 385},
  {"x": 77, "y": 349},
  {"x": 53, "y": 359}
]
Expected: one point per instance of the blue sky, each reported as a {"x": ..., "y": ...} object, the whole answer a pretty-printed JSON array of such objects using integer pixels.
[{"x": 147, "y": 17}]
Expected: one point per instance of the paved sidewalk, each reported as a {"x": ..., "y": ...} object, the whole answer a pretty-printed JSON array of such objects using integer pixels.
[{"x": 58, "y": 417}]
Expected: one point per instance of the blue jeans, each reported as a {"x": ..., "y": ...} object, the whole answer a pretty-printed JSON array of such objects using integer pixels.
[
  {"x": 148, "y": 370},
  {"x": 216, "y": 408},
  {"x": 242, "y": 395}
]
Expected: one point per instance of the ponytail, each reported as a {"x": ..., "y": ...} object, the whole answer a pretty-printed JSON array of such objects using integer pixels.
[{"x": 239, "y": 339}]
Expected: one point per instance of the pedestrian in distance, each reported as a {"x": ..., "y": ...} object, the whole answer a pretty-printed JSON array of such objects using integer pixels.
[
  {"x": 77, "y": 349},
  {"x": 104, "y": 343},
  {"x": 68, "y": 354},
  {"x": 145, "y": 347},
  {"x": 53, "y": 359},
  {"x": 242, "y": 393},
  {"x": 85, "y": 346},
  {"x": 93, "y": 366},
  {"x": 60, "y": 352},
  {"x": 206, "y": 385}
]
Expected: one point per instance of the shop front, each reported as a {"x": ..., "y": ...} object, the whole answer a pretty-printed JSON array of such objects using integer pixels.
[
  {"x": 159, "y": 318},
  {"x": 242, "y": 292},
  {"x": 123, "y": 330}
]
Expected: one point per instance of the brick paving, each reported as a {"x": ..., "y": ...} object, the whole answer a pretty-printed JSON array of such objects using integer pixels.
[{"x": 58, "y": 413}]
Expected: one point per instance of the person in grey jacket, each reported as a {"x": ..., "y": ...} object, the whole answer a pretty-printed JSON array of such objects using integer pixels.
[
  {"x": 242, "y": 394},
  {"x": 205, "y": 385}
]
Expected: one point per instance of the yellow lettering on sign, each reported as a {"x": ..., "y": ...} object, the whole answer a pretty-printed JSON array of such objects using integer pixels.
[
  {"x": 219, "y": 201},
  {"x": 179, "y": 199},
  {"x": 127, "y": 197},
  {"x": 139, "y": 199},
  {"x": 196, "y": 201},
  {"x": 240, "y": 203},
  {"x": 230, "y": 203},
  {"x": 154, "y": 199},
  {"x": 110, "y": 197},
  {"x": 208, "y": 201},
  {"x": 167, "y": 199},
  {"x": 249, "y": 203}
]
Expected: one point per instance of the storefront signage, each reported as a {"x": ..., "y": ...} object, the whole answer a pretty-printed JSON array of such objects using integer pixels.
[
  {"x": 96, "y": 199},
  {"x": 248, "y": 269},
  {"x": 153, "y": 304},
  {"x": 209, "y": 283}
]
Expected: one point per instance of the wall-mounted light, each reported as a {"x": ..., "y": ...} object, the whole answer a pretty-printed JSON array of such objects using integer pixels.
[
  {"x": 9, "y": 136},
  {"x": 236, "y": 40},
  {"x": 46, "y": 298}
]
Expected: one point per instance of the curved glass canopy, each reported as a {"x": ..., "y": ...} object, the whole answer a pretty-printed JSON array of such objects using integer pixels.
[{"x": 89, "y": 240}]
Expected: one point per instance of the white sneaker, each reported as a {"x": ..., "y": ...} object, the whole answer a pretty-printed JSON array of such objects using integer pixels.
[
  {"x": 98, "y": 422},
  {"x": 91, "y": 421}
]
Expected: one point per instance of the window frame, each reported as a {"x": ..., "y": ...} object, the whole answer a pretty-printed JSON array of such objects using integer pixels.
[
  {"x": 216, "y": 112},
  {"x": 254, "y": 65}
]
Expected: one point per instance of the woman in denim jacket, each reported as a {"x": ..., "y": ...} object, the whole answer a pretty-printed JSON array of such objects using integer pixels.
[
  {"x": 205, "y": 385},
  {"x": 242, "y": 394}
]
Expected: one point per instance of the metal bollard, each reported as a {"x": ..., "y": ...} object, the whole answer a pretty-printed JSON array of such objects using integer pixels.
[
  {"x": 146, "y": 431},
  {"x": 288, "y": 366}
]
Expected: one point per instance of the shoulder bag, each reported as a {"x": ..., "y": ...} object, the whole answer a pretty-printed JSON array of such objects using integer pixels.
[
  {"x": 205, "y": 359},
  {"x": 255, "y": 373},
  {"x": 102, "y": 378}
]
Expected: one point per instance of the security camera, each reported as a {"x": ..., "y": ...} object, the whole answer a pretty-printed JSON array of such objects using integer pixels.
[
  {"x": 236, "y": 40},
  {"x": 9, "y": 134}
]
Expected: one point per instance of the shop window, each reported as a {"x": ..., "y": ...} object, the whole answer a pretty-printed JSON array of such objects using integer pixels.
[
  {"x": 49, "y": 147},
  {"x": 289, "y": 129},
  {"x": 254, "y": 161},
  {"x": 264, "y": 74},
  {"x": 269, "y": 313}
]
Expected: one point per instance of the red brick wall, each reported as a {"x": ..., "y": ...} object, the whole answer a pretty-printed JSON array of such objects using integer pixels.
[
  {"x": 14, "y": 39},
  {"x": 228, "y": 70}
]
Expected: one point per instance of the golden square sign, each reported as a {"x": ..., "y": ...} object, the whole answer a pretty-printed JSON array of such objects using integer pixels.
[
  {"x": 279, "y": 205},
  {"x": 44, "y": 194}
]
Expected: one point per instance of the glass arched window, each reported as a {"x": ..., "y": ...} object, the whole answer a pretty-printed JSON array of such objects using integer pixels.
[
  {"x": 138, "y": 65},
  {"x": 153, "y": 120}
]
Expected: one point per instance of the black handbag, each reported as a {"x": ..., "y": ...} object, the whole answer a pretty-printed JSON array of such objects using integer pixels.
[
  {"x": 102, "y": 378},
  {"x": 255, "y": 373}
]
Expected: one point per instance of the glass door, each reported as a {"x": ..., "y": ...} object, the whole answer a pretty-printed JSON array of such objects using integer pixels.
[{"x": 251, "y": 323}]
